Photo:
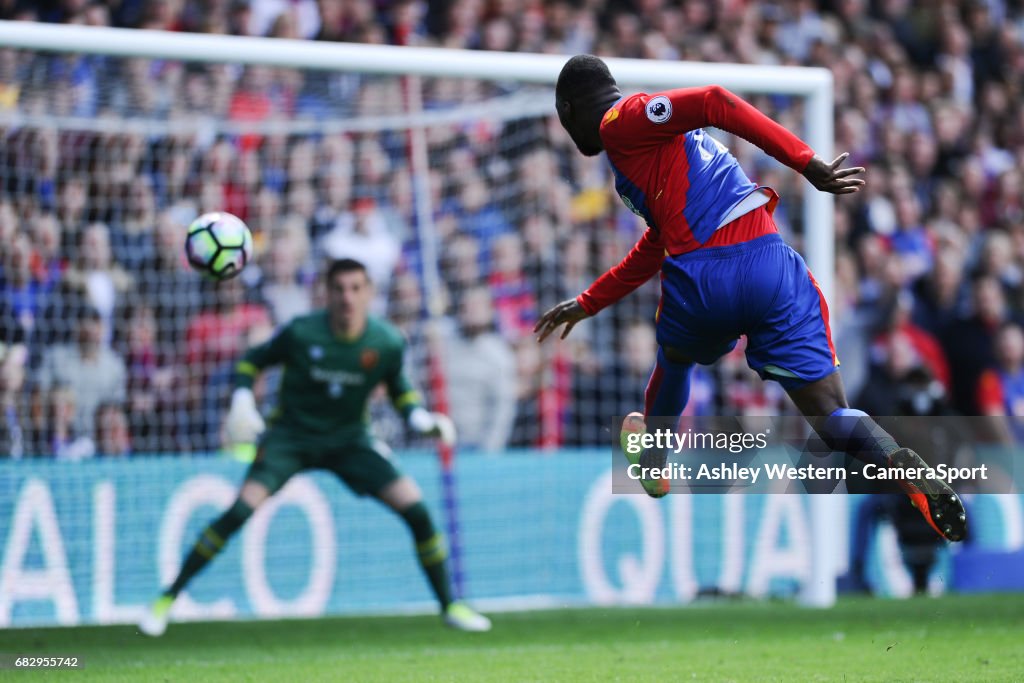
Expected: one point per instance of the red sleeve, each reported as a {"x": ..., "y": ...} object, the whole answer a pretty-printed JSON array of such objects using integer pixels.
[
  {"x": 639, "y": 266},
  {"x": 662, "y": 116},
  {"x": 989, "y": 394}
]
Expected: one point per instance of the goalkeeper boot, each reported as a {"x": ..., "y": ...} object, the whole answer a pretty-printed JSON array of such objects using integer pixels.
[
  {"x": 154, "y": 621},
  {"x": 462, "y": 617},
  {"x": 933, "y": 497},
  {"x": 634, "y": 424}
]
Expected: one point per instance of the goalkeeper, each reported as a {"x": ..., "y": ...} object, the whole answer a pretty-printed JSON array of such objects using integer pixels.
[{"x": 333, "y": 360}]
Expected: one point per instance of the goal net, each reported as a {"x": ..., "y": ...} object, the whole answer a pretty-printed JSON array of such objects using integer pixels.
[{"x": 449, "y": 178}]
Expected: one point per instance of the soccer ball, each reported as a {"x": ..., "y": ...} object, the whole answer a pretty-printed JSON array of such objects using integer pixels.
[{"x": 218, "y": 245}]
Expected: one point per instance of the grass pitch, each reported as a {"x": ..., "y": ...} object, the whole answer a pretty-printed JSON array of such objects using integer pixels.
[{"x": 956, "y": 638}]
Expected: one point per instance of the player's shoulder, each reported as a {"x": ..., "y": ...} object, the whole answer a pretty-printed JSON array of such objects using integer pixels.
[
  {"x": 633, "y": 114},
  {"x": 618, "y": 114},
  {"x": 385, "y": 333},
  {"x": 306, "y": 324}
]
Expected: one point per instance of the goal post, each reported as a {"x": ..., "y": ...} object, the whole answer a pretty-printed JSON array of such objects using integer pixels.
[{"x": 812, "y": 85}]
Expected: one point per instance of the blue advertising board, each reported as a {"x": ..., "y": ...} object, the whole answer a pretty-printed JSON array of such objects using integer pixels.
[{"x": 92, "y": 542}]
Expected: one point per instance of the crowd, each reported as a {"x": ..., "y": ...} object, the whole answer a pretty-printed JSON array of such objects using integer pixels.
[{"x": 111, "y": 345}]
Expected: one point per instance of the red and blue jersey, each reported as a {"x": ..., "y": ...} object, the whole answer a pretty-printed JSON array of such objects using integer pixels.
[{"x": 686, "y": 185}]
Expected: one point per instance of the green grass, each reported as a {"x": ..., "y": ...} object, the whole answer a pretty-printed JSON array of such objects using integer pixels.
[{"x": 952, "y": 638}]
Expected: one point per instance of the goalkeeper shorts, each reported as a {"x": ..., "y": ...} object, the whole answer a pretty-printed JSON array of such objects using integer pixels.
[{"x": 363, "y": 463}]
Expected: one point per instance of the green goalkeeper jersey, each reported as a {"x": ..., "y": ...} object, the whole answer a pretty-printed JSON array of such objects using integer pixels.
[{"x": 327, "y": 380}]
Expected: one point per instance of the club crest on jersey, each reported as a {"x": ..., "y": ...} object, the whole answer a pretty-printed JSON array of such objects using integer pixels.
[
  {"x": 659, "y": 109},
  {"x": 316, "y": 352},
  {"x": 629, "y": 205},
  {"x": 368, "y": 359}
]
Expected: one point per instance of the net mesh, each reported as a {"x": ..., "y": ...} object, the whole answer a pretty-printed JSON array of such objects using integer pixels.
[{"x": 106, "y": 160}]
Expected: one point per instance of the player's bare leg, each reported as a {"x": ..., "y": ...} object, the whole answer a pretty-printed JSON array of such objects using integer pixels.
[
  {"x": 210, "y": 542},
  {"x": 854, "y": 432},
  {"x": 404, "y": 497}
]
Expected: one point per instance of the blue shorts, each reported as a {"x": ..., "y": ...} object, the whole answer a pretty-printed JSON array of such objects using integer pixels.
[{"x": 761, "y": 288}]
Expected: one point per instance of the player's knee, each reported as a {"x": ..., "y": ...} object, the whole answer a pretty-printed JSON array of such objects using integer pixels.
[
  {"x": 253, "y": 493},
  {"x": 400, "y": 494},
  {"x": 841, "y": 426},
  {"x": 820, "y": 399}
]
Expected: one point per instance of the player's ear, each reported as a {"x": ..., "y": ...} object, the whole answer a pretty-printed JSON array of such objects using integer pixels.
[{"x": 564, "y": 109}]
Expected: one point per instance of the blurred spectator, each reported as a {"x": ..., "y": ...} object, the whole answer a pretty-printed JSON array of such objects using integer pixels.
[
  {"x": 1000, "y": 390},
  {"x": 13, "y": 401},
  {"x": 284, "y": 287},
  {"x": 303, "y": 14},
  {"x": 24, "y": 298},
  {"x": 90, "y": 371},
  {"x": 213, "y": 342},
  {"x": 48, "y": 261},
  {"x": 112, "y": 437},
  {"x": 883, "y": 394},
  {"x": 131, "y": 237},
  {"x": 924, "y": 345},
  {"x": 95, "y": 275},
  {"x": 969, "y": 342},
  {"x": 480, "y": 369},
  {"x": 529, "y": 385},
  {"x": 477, "y": 215},
  {"x": 940, "y": 297},
  {"x": 514, "y": 299},
  {"x": 363, "y": 233},
  {"x": 169, "y": 286},
  {"x": 152, "y": 383},
  {"x": 927, "y": 98},
  {"x": 460, "y": 263},
  {"x": 57, "y": 432}
]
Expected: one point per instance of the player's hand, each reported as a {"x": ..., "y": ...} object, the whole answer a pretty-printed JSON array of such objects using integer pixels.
[
  {"x": 444, "y": 429},
  {"x": 568, "y": 313},
  {"x": 432, "y": 424},
  {"x": 828, "y": 177},
  {"x": 244, "y": 423}
]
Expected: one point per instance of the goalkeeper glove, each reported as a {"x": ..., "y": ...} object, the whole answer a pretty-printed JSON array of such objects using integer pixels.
[
  {"x": 433, "y": 424},
  {"x": 244, "y": 423}
]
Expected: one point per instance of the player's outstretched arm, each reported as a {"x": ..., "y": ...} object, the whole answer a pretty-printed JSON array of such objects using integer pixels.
[
  {"x": 567, "y": 313},
  {"x": 243, "y": 423},
  {"x": 829, "y": 177}
]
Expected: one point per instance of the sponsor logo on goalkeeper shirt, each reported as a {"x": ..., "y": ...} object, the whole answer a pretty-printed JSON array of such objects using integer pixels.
[{"x": 338, "y": 377}]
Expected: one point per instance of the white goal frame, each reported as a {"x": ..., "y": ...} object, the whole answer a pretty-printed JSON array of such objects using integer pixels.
[{"x": 814, "y": 85}]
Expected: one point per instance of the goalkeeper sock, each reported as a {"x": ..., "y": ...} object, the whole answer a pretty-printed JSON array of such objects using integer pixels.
[
  {"x": 852, "y": 431},
  {"x": 431, "y": 550},
  {"x": 668, "y": 389},
  {"x": 210, "y": 542}
]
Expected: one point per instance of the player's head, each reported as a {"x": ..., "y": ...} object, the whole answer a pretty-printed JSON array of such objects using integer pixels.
[
  {"x": 584, "y": 92},
  {"x": 349, "y": 292}
]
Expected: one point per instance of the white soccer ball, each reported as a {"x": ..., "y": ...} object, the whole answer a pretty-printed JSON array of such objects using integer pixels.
[{"x": 218, "y": 245}]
